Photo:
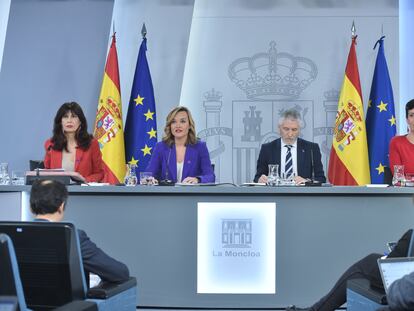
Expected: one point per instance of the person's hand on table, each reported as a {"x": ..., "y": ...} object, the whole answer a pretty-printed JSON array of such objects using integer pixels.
[
  {"x": 262, "y": 179},
  {"x": 299, "y": 180},
  {"x": 150, "y": 181},
  {"x": 79, "y": 176},
  {"x": 190, "y": 180}
]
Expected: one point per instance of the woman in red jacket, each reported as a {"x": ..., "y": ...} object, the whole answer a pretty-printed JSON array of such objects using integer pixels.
[
  {"x": 72, "y": 147},
  {"x": 402, "y": 147}
]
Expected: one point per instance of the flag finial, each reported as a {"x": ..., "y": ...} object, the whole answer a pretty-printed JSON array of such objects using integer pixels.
[
  {"x": 379, "y": 41},
  {"x": 143, "y": 31},
  {"x": 353, "y": 29},
  {"x": 113, "y": 27}
]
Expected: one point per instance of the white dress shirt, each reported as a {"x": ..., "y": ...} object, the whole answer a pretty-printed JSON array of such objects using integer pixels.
[
  {"x": 180, "y": 166},
  {"x": 68, "y": 163}
]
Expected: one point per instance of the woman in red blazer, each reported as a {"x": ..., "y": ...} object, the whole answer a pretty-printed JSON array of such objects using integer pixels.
[{"x": 72, "y": 147}]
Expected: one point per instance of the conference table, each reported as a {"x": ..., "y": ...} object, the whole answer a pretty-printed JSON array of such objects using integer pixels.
[{"x": 320, "y": 231}]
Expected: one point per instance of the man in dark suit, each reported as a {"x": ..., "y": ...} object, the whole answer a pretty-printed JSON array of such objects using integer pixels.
[
  {"x": 296, "y": 157},
  {"x": 47, "y": 203}
]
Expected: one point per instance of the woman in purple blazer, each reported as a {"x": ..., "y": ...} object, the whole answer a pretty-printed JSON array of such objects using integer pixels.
[{"x": 180, "y": 156}]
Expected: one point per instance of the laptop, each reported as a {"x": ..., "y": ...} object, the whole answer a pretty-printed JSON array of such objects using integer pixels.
[
  {"x": 8, "y": 303},
  {"x": 392, "y": 269}
]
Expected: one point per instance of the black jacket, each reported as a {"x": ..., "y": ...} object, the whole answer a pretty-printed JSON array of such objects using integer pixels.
[{"x": 306, "y": 150}]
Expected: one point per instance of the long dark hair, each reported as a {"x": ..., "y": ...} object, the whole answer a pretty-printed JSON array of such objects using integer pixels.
[{"x": 83, "y": 138}]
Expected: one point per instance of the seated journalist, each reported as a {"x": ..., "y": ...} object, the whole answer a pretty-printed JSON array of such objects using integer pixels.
[
  {"x": 71, "y": 147},
  {"x": 402, "y": 147},
  {"x": 293, "y": 155},
  {"x": 181, "y": 156},
  {"x": 47, "y": 203},
  {"x": 400, "y": 294},
  {"x": 367, "y": 268}
]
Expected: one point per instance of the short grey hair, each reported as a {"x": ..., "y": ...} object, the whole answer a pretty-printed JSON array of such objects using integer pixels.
[{"x": 290, "y": 114}]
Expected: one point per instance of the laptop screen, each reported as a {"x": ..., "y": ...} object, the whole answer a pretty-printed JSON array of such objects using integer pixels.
[
  {"x": 392, "y": 269},
  {"x": 8, "y": 303}
]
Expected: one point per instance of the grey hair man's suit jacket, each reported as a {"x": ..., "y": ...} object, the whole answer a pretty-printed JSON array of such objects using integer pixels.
[{"x": 309, "y": 162}]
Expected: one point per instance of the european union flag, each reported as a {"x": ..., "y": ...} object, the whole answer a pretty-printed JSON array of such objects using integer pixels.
[
  {"x": 380, "y": 121},
  {"x": 141, "y": 126}
]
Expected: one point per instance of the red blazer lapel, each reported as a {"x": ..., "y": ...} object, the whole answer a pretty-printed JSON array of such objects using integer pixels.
[{"x": 55, "y": 158}]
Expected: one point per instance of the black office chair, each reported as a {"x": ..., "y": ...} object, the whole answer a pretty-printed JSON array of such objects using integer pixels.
[
  {"x": 52, "y": 272},
  {"x": 361, "y": 296},
  {"x": 35, "y": 164},
  {"x": 10, "y": 285},
  {"x": 11, "y": 289}
]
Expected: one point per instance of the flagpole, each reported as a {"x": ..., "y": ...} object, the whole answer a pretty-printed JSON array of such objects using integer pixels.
[
  {"x": 353, "y": 30},
  {"x": 143, "y": 31}
]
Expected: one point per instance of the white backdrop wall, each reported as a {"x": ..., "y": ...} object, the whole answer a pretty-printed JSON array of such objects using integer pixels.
[
  {"x": 168, "y": 25},
  {"x": 406, "y": 21},
  {"x": 49, "y": 59},
  {"x": 54, "y": 52},
  {"x": 233, "y": 40},
  {"x": 4, "y": 17}
]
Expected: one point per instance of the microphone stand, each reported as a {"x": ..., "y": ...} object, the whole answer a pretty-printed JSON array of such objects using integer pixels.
[
  {"x": 166, "y": 181},
  {"x": 313, "y": 182},
  {"x": 38, "y": 171}
]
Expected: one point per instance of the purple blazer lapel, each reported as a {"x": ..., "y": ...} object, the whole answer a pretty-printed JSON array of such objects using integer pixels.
[
  {"x": 190, "y": 153},
  {"x": 172, "y": 164}
]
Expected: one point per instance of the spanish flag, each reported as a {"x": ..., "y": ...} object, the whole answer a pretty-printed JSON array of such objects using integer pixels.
[
  {"x": 108, "y": 126},
  {"x": 348, "y": 162}
]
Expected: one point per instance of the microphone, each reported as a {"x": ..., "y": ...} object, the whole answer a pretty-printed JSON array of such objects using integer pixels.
[
  {"x": 312, "y": 165},
  {"x": 313, "y": 182},
  {"x": 166, "y": 181},
  {"x": 36, "y": 166}
]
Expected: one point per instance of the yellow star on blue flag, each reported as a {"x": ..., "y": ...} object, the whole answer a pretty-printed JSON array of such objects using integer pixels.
[
  {"x": 382, "y": 106},
  {"x": 139, "y": 100},
  {"x": 380, "y": 169},
  {"x": 133, "y": 161},
  {"x": 152, "y": 133},
  {"x": 149, "y": 115},
  {"x": 146, "y": 150},
  {"x": 392, "y": 120}
]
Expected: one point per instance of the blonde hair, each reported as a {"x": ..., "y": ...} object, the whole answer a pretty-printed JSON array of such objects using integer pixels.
[{"x": 168, "y": 137}]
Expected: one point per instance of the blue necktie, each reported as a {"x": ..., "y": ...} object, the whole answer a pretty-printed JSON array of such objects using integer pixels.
[{"x": 288, "y": 161}]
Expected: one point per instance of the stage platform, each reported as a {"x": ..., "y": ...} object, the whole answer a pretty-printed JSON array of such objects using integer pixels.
[{"x": 320, "y": 231}]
